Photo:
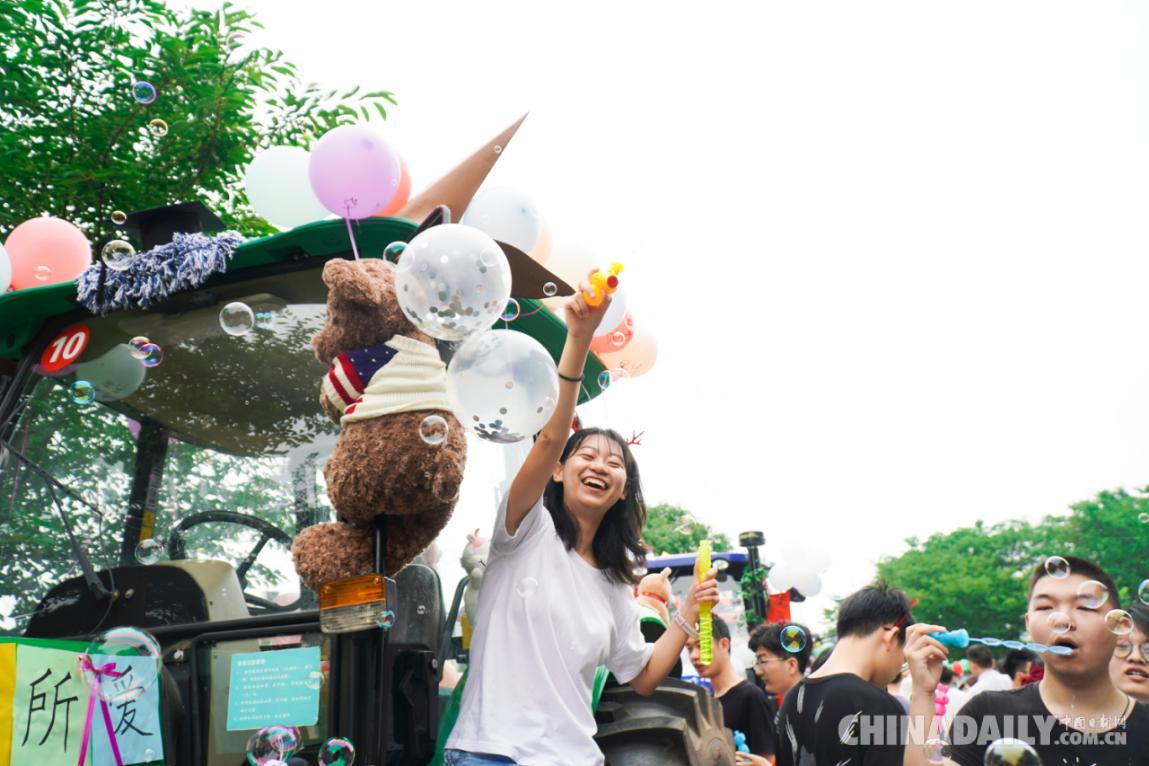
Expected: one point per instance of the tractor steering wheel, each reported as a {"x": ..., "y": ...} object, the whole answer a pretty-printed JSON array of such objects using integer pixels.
[{"x": 267, "y": 530}]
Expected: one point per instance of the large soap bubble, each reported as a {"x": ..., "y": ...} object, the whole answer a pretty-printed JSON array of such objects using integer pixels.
[
  {"x": 503, "y": 385},
  {"x": 452, "y": 281},
  {"x": 109, "y": 647},
  {"x": 273, "y": 744}
]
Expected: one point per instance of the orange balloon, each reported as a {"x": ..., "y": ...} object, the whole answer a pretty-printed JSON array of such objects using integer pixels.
[
  {"x": 609, "y": 343},
  {"x": 402, "y": 194},
  {"x": 636, "y": 358},
  {"x": 46, "y": 251},
  {"x": 541, "y": 252}
]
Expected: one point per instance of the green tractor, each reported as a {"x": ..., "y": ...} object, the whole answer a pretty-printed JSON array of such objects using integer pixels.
[{"x": 210, "y": 448}]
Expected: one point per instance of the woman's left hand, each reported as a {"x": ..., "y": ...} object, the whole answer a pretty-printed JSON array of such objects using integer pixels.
[{"x": 705, "y": 592}]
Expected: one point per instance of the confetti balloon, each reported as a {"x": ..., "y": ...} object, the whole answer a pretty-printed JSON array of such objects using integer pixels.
[
  {"x": 237, "y": 318},
  {"x": 1011, "y": 752},
  {"x": 279, "y": 189},
  {"x": 452, "y": 281},
  {"x": 503, "y": 385},
  {"x": 337, "y": 751},
  {"x": 507, "y": 215},
  {"x": 125, "y": 643}
]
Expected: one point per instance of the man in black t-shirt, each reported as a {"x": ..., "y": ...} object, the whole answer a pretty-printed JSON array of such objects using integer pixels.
[
  {"x": 745, "y": 707},
  {"x": 841, "y": 713},
  {"x": 1075, "y": 714}
]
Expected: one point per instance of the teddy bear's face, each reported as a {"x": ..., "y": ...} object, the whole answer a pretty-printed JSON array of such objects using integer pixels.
[{"x": 362, "y": 309}]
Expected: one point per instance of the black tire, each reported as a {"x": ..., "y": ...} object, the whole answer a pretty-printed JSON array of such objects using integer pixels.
[{"x": 679, "y": 725}]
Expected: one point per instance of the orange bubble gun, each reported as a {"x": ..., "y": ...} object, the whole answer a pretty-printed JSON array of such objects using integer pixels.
[
  {"x": 705, "y": 624},
  {"x": 603, "y": 284}
]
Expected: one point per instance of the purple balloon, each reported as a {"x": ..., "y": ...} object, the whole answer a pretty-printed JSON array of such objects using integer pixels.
[{"x": 354, "y": 173}]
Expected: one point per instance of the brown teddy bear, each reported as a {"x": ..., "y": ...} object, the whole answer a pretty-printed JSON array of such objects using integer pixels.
[{"x": 385, "y": 380}]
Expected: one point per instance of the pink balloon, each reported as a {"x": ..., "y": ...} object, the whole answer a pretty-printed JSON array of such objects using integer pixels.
[
  {"x": 353, "y": 171},
  {"x": 606, "y": 344},
  {"x": 46, "y": 251},
  {"x": 636, "y": 358}
]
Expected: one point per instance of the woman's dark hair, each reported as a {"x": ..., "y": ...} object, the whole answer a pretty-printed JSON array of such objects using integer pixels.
[{"x": 618, "y": 548}]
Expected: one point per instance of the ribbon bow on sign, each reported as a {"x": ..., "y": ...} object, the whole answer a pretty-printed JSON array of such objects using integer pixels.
[{"x": 98, "y": 672}]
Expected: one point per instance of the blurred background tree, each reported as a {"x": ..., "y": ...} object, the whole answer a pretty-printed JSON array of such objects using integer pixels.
[
  {"x": 75, "y": 142},
  {"x": 672, "y": 529}
]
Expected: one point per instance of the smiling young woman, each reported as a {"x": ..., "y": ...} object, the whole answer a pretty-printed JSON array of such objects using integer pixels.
[{"x": 557, "y": 600}]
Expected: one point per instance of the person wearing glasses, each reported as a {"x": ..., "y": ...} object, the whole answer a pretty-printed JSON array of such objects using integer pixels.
[
  {"x": 779, "y": 669},
  {"x": 1129, "y": 667}
]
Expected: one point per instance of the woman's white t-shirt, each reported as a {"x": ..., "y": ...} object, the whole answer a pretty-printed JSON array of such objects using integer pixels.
[{"x": 546, "y": 620}]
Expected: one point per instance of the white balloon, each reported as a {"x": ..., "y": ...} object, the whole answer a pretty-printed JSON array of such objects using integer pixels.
[
  {"x": 507, "y": 215},
  {"x": 5, "y": 270},
  {"x": 279, "y": 187},
  {"x": 452, "y": 281},
  {"x": 807, "y": 583},
  {"x": 781, "y": 577},
  {"x": 614, "y": 315},
  {"x": 503, "y": 385},
  {"x": 114, "y": 375}
]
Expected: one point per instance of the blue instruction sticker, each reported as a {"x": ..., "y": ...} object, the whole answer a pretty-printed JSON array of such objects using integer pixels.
[{"x": 275, "y": 688}]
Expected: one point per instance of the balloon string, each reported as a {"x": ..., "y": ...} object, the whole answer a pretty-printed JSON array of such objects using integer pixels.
[{"x": 351, "y": 235}]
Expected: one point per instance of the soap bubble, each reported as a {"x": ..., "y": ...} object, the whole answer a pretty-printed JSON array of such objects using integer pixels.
[
  {"x": 237, "y": 318},
  {"x": 122, "y": 642},
  {"x": 1143, "y": 591},
  {"x": 393, "y": 251},
  {"x": 1011, "y": 752},
  {"x": 1063, "y": 650},
  {"x": 263, "y": 319},
  {"x": 117, "y": 254},
  {"x": 1143, "y": 517},
  {"x": 937, "y": 750},
  {"x": 137, "y": 345},
  {"x": 385, "y": 619},
  {"x": 550, "y": 289},
  {"x": 990, "y": 641},
  {"x": 503, "y": 385},
  {"x": 42, "y": 273},
  {"x": 149, "y": 551},
  {"x": 153, "y": 355},
  {"x": 1092, "y": 594},
  {"x": 1055, "y": 566},
  {"x": 511, "y": 312},
  {"x": 793, "y": 639},
  {"x": 1058, "y": 622},
  {"x": 315, "y": 679},
  {"x": 158, "y": 128},
  {"x": 1012, "y": 644},
  {"x": 604, "y": 380},
  {"x": 1119, "y": 622},
  {"x": 119, "y": 217},
  {"x": 143, "y": 92},
  {"x": 618, "y": 338},
  {"x": 526, "y": 587},
  {"x": 433, "y": 429},
  {"x": 337, "y": 751},
  {"x": 452, "y": 281},
  {"x": 273, "y": 744},
  {"x": 82, "y": 392}
]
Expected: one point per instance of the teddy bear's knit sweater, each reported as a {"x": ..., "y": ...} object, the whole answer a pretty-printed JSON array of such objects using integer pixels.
[{"x": 401, "y": 375}]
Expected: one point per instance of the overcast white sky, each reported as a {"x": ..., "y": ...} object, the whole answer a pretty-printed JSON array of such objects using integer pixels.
[{"x": 895, "y": 253}]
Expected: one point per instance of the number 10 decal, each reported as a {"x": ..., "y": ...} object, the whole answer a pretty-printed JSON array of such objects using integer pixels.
[{"x": 65, "y": 349}]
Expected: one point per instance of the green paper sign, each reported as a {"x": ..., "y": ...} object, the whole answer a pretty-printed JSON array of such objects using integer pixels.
[{"x": 276, "y": 688}]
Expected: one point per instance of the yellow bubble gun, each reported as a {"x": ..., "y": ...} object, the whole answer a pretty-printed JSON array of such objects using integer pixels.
[
  {"x": 603, "y": 284},
  {"x": 705, "y": 624}
]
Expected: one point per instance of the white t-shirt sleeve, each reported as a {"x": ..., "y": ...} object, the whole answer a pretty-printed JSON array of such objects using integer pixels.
[
  {"x": 529, "y": 527},
  {"x": 629, "y": 651}
]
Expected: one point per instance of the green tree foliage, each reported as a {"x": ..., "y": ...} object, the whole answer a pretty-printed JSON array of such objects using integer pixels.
[
  {"x": 672, "y": 529},
  {"x": 977, "y": 577},
  {"x": 76, "y": 144}
]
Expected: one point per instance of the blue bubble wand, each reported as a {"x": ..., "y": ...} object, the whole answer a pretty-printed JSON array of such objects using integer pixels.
[{"x": 960, "y": 639}]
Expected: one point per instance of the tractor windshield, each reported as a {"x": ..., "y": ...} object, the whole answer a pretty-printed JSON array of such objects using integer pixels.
[{"x": 213, "y": 454}]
